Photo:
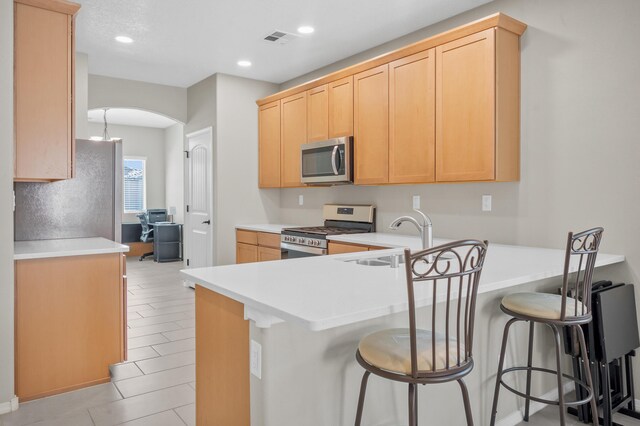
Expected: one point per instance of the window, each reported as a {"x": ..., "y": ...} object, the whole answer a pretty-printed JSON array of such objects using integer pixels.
[{"x": 135, "y": 199}]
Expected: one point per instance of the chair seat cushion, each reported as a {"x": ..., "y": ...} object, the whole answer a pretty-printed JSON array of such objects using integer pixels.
[
  {"x": 391, "y": 350},
  {"x": 539, "y": 305}
]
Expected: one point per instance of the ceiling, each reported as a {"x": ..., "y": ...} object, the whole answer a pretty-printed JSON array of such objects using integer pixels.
[
  {"x": 179, "y": 43},
  {"x": 130, "y": 117}
]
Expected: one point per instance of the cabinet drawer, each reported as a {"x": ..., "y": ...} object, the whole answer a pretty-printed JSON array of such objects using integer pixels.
[
  {"x": 247, "y": 237},
  {"x": 338, "y": 248},
  {"x": 266, "y": 239},
  {"x": 246, "y": 253},
  {"x": 266, "y": 254}
]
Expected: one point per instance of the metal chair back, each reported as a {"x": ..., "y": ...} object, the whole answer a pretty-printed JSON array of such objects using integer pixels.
[
  {"x": 453, "y": 270},
  {"x": 582, "y": 249}
]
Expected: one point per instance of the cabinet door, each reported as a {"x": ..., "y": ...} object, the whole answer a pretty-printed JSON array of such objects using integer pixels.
[
  {"x": 266, "y": 254},
  {"x": 412, "y": 98},
  {"x": 246, "y": 253},
  {"x": 294, "y": 134},
  {"x": 269, "y": 145},
  {"x": 338, "y": 248},
  {"x": 43, "y": 94},
  {"x": 465, "y": 109},
  {"x": 317, "y": 114},
  {"x": 341, "y": 107},
  {"x": 371, "y": 126}
]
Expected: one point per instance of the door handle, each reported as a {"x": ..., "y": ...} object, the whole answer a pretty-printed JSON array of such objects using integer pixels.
[
  {"x": 208, "y": 222},
  {"x": 333, "y": 160}
]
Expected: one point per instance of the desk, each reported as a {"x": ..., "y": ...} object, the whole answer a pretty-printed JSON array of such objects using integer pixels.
[{"x": 167, "y": 241}]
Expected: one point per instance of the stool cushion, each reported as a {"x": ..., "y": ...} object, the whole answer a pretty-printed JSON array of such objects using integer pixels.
[
  {"x": 391, "y": 350},
  {"x": 539, "y": 305}
]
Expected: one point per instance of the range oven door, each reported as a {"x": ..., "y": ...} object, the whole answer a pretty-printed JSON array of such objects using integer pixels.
[
  {"x": 327, "y": 162},
  {"x": 292, "y": 251}
]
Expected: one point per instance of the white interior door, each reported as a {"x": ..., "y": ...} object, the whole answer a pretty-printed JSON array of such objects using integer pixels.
[{"x": 199, "y": 229}]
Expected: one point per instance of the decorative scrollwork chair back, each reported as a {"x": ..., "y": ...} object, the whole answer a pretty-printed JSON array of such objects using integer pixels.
[
  {"x": 582, "y": 249},
  {"x": 453, "y": 270}
]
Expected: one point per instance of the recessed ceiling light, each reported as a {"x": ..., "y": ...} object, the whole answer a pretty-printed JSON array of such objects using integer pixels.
[
  {"x": 124, "y": 39},
  {"x": 305, "y": 29},
  {"x": 244, "y": 63}
]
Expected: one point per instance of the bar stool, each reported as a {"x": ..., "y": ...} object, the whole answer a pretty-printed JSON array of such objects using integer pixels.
[
  {"x": 449, "y": 275},
  {"x": 556, "y": 311}
]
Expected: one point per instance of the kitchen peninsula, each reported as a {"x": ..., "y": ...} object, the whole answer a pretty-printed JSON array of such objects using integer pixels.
[
  {"x": 70, "y": 314},
  {"x": 308, "y": 315}
]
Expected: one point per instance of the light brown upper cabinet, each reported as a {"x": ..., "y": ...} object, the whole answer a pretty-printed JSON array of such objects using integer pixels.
[
  {"x": 412, "y": 83},
  {"x": 294, "y": 134},
  {"x": 43, "y": 89},
  {"x": 371, "y": 126},
  {"x": 318, "y": 114},
  {"x": 341, "y": 107},
  {"x": 443, "y": 109},
  {"x": 269, "y": 145},
  {"x": 477, "y": 108}
]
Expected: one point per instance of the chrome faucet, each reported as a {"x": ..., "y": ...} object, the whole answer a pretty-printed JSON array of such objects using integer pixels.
[{"x": 425, "y": 228}]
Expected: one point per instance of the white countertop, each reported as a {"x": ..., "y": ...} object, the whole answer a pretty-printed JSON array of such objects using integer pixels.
[
  {"x": 65, "y": 247},
  {"x": 324, "y": 292},
  {"x": 274, "y": 228}
]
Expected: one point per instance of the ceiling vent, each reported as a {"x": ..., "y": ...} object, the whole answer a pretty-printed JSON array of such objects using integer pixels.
[{"x": 280, "y": 37}]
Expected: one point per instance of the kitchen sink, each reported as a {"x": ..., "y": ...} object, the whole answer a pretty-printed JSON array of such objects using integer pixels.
[{"x": 370, "y": 262}]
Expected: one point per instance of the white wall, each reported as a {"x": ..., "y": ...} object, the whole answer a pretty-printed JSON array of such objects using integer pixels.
[
  {"x": 6, "y": 206},
  {"x": 227, "y": 104},
  {"x": 142, "y": 142},
  {"x": 81, "y": 95},
  {"x": 120, "y": 93},
  {"x": 238, "y": 199},
  {"x": 174, "y": 169}
]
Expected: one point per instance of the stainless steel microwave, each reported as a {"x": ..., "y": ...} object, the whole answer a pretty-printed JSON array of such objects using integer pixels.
[{"x": 328, "y": 162}]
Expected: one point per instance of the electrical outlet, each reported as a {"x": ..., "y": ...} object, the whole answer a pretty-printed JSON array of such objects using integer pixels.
[
  {"x": 416, "y": 201},
  {"x": 486, "y": 203},
  {"x": 301, "y": 200},
  {"x": 255, "y": 359}
]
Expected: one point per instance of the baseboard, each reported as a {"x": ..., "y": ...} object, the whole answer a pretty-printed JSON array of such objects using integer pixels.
[
  {"x": 517, "y": 416},
  {"x": 9, "y": 406}
]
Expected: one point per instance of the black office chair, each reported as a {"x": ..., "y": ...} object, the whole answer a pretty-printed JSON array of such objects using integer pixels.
[{"x": 147, "y": 233}]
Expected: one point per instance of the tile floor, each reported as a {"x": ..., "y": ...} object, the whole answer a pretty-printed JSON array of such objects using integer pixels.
[{"x": 156, "y": 386}]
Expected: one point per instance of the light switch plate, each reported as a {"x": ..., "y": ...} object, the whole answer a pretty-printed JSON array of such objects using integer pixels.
[
  {"x": 255, "y": 359},
  {"x": 486, "y": 203},
  {"x": 416, "y": 201},
  {"x": 300, "y": 200}
]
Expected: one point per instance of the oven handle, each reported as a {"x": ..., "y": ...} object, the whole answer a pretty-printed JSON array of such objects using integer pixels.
[
  {"x": 333, "y": 160},
  {"x": 304, "y": 249}
]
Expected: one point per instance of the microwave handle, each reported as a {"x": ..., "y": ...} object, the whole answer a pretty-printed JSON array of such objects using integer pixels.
[{"x": 333, "y": 160}]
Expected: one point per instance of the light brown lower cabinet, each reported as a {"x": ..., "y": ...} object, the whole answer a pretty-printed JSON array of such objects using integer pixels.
[
  {"x": 246, "y": 253},
  {"x": 252, "y": 246},
  {"x": 266, "y": 254},
  {"x": 339, "y": 248},
  {"x": 70, "y": 322}
]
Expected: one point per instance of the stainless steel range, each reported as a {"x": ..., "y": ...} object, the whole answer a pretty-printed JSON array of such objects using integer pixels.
[{"x": 338, "y": 219}]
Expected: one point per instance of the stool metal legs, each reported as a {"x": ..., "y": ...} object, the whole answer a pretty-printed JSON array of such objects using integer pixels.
[
  {"x": 413, "y": 404},
  {"x": 503, "y": 350},
  {"x": 587, "y": 369},
  {"x": 529, "y": 365},
  {"x": 363, "y": 390},
  {"x": 558, "y": 352},
  {"x": 558, "y": 343},
  {"x": 467, "y": 403},
  {"x": 413, "y": 401}
]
